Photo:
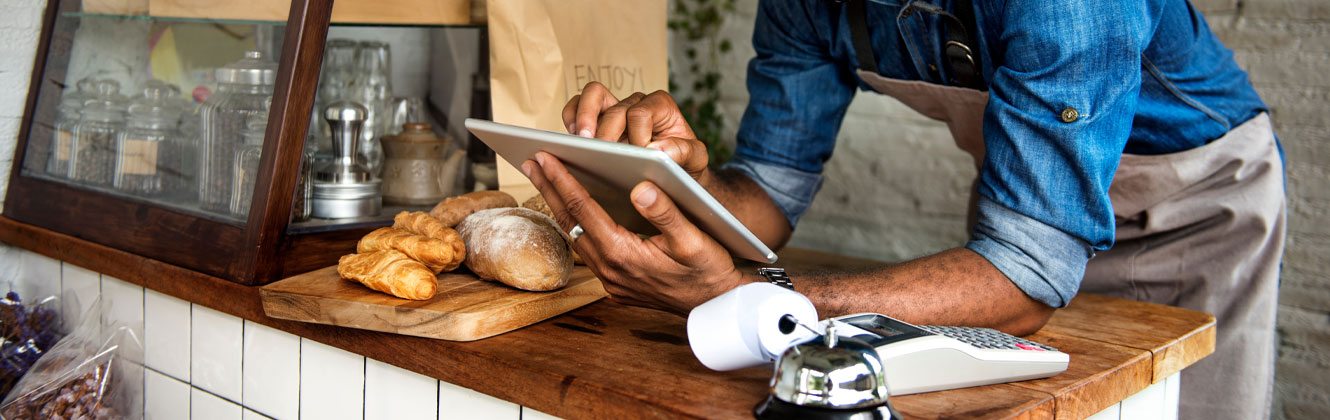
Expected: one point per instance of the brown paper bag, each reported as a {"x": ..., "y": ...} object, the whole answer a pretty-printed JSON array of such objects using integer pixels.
[{"x": 542, "y": 52}]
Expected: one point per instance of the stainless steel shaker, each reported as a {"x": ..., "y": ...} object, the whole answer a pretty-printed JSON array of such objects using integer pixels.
[{"x": 344, "y": 187}]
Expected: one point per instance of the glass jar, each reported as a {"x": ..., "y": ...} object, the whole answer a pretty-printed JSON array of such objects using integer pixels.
[
  {"x": 148, "y": 152},
  {"x": 244, "y": 89},
  {"x": 372, "y": 88},
  {"x": 66, "y": 120},
  {"x": 245, "y": 171},
  {"x": 93, "y": 150},
  {"x": 339, "y": 68}
]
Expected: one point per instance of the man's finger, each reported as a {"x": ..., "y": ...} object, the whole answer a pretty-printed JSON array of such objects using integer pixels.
[
  {"x": 595, "y": 99},
  {"x": 570, "y": 113},
  {"x": 683, "y": 237},
  {"x": 612, "y": 123},
  {"x": 690, "y": 154},
  {"x": 552, "y": 199},
  {"x": 653, "y": 116},
  {"x": 577, "y": 203}
]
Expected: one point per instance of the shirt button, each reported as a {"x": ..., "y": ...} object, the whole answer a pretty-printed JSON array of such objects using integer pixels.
[{"x": 1070, "y": 115}]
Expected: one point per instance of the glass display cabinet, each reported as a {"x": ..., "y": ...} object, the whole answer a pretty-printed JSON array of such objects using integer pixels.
[{"x": 209, "y": 135}]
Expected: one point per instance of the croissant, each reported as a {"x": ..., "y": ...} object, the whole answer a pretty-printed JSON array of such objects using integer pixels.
[
  {"x": 390, "y": 272},
  {"x": 422, "y": 223},
  {"x": 437, "y": 255}
]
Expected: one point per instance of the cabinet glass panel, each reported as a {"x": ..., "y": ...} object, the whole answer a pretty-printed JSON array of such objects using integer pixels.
[
  {"x": 387, "y": 122},
  {"x": 164, "y": 109}
]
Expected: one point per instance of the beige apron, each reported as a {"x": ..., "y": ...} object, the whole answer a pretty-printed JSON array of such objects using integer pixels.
[{"x": 1201, "y": 229}]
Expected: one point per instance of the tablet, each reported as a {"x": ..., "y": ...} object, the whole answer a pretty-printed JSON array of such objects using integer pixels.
[{"x": 610, "y": 170}]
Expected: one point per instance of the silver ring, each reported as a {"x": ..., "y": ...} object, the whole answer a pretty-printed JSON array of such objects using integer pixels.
[{"x": 575, "y": 232}]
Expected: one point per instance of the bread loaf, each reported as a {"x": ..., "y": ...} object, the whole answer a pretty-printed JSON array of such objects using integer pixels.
[
  {"x": 422, "y": 223},
  {"x": 537, "y": 203},
  {"x": 452, "y": 210},
  {"x": 436, "y": 254},
  {"x": 390, "y": 272},
  {"x": 518, "y": 247}
]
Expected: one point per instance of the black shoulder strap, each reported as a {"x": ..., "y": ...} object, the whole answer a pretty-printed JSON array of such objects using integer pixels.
[
  {"x": 857, "y": 14},
  {"x": 965, "y": 64}
]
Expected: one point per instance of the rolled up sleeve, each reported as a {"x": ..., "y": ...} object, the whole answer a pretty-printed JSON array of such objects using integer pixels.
[{"x": 1044, "y": 262}]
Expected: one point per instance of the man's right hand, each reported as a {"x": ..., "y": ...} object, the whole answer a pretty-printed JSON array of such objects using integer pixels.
[{"x": 651, "y": 120}]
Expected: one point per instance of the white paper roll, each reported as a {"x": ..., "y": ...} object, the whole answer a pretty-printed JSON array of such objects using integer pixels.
[{"x": 741, "y": 328}]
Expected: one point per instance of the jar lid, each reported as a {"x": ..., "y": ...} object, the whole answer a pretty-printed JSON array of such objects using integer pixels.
[
  {"x": 107, "y": 104},
  {"x": 154, "y": 106},
  {"x": 254, "y": 69}
]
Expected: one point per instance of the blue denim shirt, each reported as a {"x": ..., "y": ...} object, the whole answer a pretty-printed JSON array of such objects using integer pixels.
[{"x": 1146, "y": 76}]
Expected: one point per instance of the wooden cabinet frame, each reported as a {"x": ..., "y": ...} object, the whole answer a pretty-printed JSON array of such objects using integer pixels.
[{"x": 258, "y": 252}]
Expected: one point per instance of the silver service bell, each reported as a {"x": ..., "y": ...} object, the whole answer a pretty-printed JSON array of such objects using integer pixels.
[{"x": 828, "y": 378}]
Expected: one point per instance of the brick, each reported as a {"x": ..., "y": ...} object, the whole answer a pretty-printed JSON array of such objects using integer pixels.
[
  {"x": 1287, "y": 68},
  {"x": 1304, "y": 334},
  {"x": 1296, "y": 10},
  {"x": 1248, "y": 34},
  {"x": 1215, "y": 6},
  {"x": 1304, "y": 290},
  {"x": 1307, "y": 179}
]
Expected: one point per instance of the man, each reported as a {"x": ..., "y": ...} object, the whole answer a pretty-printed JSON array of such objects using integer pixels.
[{"x": 1121, "y": 151}]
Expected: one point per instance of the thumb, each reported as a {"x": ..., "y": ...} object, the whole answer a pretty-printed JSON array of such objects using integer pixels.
[{"x": 683, "y": 238}]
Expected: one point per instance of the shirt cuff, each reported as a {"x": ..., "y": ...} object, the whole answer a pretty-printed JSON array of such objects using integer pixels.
[
  {"x": 791, "y": 189},
  {"x": 1044, "y": 262}
]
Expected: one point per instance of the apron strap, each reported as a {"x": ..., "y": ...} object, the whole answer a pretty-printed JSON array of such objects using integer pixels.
[
  {"x": 964, "y": 63},
  {"x": 857, "y": 14}
]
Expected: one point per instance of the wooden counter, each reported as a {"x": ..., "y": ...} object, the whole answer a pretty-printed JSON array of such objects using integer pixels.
[{"x": 608, "y": 360}]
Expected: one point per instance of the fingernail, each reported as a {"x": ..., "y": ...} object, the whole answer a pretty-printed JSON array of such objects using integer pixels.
[
  {"x": 526, "y": 168},
  {"x": 570, "y": 128},
  {"x": 645, "y": 196},
  {"x": 584, "y": 133}
]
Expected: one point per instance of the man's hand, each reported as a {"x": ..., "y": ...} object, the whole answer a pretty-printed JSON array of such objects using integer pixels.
[
  {"x": 650, "y": 120},
  {"x": 674, "y": 271}
]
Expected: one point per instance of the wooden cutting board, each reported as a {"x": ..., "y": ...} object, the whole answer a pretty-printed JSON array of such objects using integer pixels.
[{"x": 465, "y": 308}]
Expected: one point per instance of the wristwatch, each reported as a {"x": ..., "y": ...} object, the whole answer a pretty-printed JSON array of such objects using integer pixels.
[{"x": 776, "y": 276}]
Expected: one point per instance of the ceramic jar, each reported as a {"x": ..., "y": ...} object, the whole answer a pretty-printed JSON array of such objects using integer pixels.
[{"x": 417, "y": 169}]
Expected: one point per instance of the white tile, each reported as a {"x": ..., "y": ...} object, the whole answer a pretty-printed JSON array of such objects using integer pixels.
[
  {"x": 456, "y": 402},
  {"x": 122, "y": 303},
  {"x": 529, "y": 414},
  {"x": 1172, "y": 386},
  {"x": 252, "y": 415},
  {"x": 205, "y": 406},
  {"x": 1148, "y": 404},
  {"x": 395, "y": 393},
  {"x": 271, "y": 374},
  {"x": 33, "y": 276},
  {"x": 166, "y": 334},
  {"x": 80, "y": 287},
  {"x": 215, "y": 352},
  {"x": 332, "y": 382},
  {"x": 164, "y": 397},
  {"x": 1111, "y": 413}
]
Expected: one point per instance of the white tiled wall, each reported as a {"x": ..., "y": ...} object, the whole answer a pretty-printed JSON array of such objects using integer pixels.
[{"x": 202, "y": 364}]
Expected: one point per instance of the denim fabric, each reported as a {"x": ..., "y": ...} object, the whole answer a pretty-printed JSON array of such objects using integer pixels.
[
  {"x": 1042, "y": 261},
  {"x": 1146, "y": 77}
]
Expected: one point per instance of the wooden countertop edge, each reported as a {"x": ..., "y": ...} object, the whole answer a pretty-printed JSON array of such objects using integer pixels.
[
  {"x": 577, "y": 397},
  {"x": 244, "y": 302}
]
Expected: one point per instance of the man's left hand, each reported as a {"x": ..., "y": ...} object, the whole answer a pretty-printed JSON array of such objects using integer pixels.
[{"x": 674, "y": 271}]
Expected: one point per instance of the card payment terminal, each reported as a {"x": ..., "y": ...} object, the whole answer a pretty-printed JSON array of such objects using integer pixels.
[{"x": 932, "y": 358}]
